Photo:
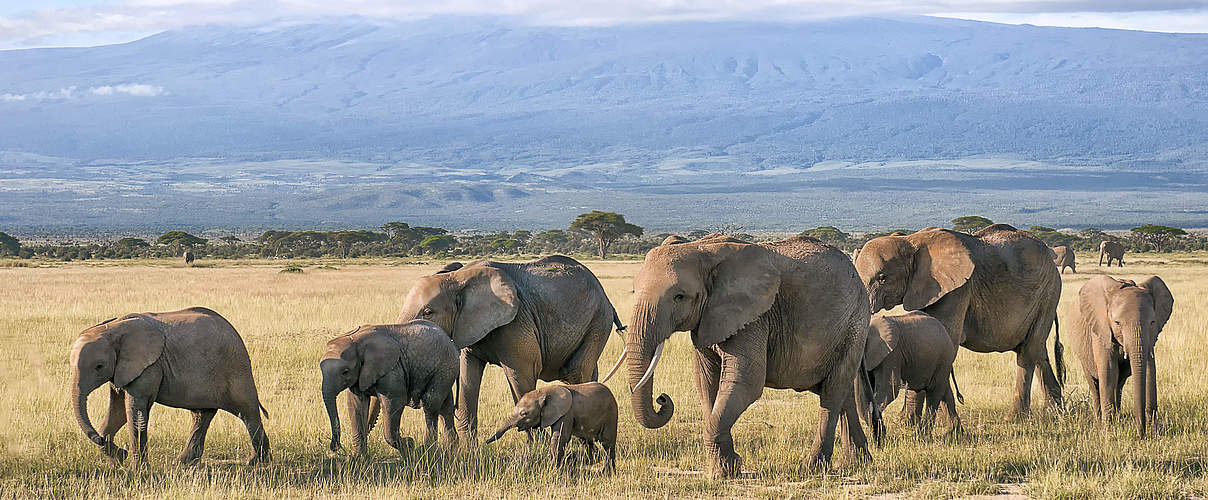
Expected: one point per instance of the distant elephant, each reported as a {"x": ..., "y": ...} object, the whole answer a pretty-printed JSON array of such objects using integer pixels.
[
  {"x": 1116, "y": 324},
  {"x": 1063, "y": 257},
  {"x": 189, "y": 257},
  {"x": 911, "y": 351},
  {"x": 1113, "y": 251},
  {"x": 995, "y": 291},
  {"x": 548, "y": 319},
  {"x": 191, "y": 359},
  {"x": 788, "y": 314},
  {"x": 585, "y": 411},
  {"x": 412, "y": 364}
]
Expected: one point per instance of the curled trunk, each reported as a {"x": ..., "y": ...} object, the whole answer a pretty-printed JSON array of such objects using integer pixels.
[
  {"x": 81, "y": 411},
  {"x": 333, "y": 415},
  {"x": 642, "y": 342}
]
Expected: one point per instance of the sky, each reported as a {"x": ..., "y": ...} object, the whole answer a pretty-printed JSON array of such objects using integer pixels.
[{"x": 53, "y": 23}]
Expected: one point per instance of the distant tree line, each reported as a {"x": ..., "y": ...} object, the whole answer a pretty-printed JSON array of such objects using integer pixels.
[{"x": 594, "y": 233}]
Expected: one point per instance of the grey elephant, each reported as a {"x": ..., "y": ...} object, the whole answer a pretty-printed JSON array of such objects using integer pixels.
[
  {"x": 911, "y": 351},
  {"x": 189, "y": 257},
  {"x": 192, "y": 359},
  {"x": 584, "y": 411},
  {"x": 1063, "y": 257},
  {"x": 548, "y": 319},
  {"x": 411, "y": 364},
  {"x": 789, "y": 314},
  {"x": 1115, "y": 326},
  {"x": 994, "y": 291},
  {"x": 1113, "y": 251}
]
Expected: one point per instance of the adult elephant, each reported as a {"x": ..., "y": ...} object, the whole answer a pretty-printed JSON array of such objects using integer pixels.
[
  {"x": 1063, "y": 257},
  {"x": 995, "y": 291},
  {"x": 789, "y": 314},
  {"x": 548, "y": 319},
  {"x": 1113, "y": 251}
]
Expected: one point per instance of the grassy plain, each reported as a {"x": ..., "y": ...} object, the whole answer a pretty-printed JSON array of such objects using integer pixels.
[{"x": 285, "y": 319}]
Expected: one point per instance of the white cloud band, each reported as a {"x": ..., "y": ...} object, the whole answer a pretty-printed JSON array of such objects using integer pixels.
[{"x": 73, "y": 92}]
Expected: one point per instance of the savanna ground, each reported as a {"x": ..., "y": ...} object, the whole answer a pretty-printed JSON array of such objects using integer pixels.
[{"x": 285, "y": 319}]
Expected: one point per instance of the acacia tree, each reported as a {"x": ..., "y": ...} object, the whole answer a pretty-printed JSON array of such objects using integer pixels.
[
  {"x": 179, "y": 238},
  {"x": 9, "y": 245},
  {"x": 970, "y": 223},
  {"x": 605, "y": 227},
  {"x": 1157, "y": 235},
  {"x": 829, "y": 234}
]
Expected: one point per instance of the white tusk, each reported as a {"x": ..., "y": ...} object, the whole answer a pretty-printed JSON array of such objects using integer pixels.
[
  {"x": 618, "y": 365},
  {"x": 658, "y": 353}
]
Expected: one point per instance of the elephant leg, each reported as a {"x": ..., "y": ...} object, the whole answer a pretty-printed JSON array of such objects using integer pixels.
[
  {"x": 934, "y": 396},
  {"x": 561, "y": 437},
  {"x": 197, "y": 440},
  {"x": 115, "y": 419},
  {"x": 851, "y": 435},
  {"x": 468, "y": 385},
  {"x": 1109, "y": 385},
  {"x": 394, "y": 416},
  {"x": 358, "y": 417},
  {"x": 255, "y": 431},
  {"x": 912, "y": 408},
  {"x": 1092, "y": 387},
  {"x": 954, "y": 420},
  {"x": 431, "y": 421},
  {"x": 1037, "y": 349},
  {"x": 446, "y": 419},
  {"x": 743, "y": 373},
  {"x": 138, "y": 412},
  {"x": 708, "y": 372},
  {"x": 1024, "y": 368},
  {"x": 521, "y": 382},
  {"x": 590, "y": 446}
]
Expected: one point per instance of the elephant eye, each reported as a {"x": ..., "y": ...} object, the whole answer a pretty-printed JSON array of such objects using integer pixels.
[
  {"x": 679, "y": 297},
  {"x": 881, "y": 278},
  {"x": 427, "y": 311},
  {"x": 100, "y": 365},
  {"x": 1117, "y": 323}
]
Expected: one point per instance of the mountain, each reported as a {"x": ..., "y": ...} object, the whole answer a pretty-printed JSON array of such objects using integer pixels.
[{"x": 486, "y": 122}]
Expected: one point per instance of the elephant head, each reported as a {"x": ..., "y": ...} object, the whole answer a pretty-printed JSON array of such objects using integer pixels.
[
  {"x": 468, "y": 302},
  {"x": 914, "y": 270},
  {"x": 540, "y": 408},
  {"x": 712, "y": 288},
  {"x": 117, "y": 351},
  {"x": 1135, "y": 314},
  {"x": 355, "y": 361}
]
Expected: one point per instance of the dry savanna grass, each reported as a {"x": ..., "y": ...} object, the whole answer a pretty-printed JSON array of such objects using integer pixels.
[{"x": 285, "y": 319}]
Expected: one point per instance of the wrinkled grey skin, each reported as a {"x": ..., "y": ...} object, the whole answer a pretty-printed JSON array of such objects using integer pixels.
[
  {"x": 192, "y": 359},
  {"x": 543, "y": 320},
  {"x": 911, "y": 351},
  {"x": 585, "y": 411},
  {"x": 789, "y": 314},
  {"x": 1115, "y": 327},
  {"x": 1113, "y": 251},
  {"x": 994, "y": 291},
  {"x": 1063, "y": 257},
  {"x": 412, "y": 364}
]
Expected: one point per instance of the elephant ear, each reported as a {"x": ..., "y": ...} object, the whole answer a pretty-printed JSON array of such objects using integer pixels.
[
  {"x": 1163, "y": 300},
  {"x": 450, "y": 267},
  {"x": 554, "y": 404},
  {"x": 1092, "y": 309},
  {"x": 487, "y": 300},
  {"x": 380, "y": 352},
  {"x": 139, "y": 343},
  {"x": 881, "y": 341},
  {"x": 941, "y": 263},
  {"x": 741, "y": 288}
]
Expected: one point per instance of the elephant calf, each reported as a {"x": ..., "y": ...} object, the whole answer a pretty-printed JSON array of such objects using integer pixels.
[
  {"x": 913, "y": 350},
  {"x": 585, "y": 411},
  {"x": 191, "y": 359},
  {"x": 412, "y": 364}
]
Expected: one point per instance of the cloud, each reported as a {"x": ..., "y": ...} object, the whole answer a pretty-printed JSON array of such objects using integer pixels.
[
  {"x": 134, "y": 89},
  {"x": 146, "y": 16},
  {"x": 72, "y": 92}
]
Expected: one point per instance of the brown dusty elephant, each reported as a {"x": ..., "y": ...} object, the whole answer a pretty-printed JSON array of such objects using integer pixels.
[
  {"x": 585, "y": 411},
  {"x": 1063, "y": 257},
  {"x": 1113, "y": 251},
  {"x": 911, "y": 351},
  {"x": 786, "y": 315},
  {"x": 995, "y": 291},
  {"x": 412, "y": 364},
  {"x": 1115, "y": 326},
  {"x": 191, "y": 359},
  {"x": 542, "y": 320}
]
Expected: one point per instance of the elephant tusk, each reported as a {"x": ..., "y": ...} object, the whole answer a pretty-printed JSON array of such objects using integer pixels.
[
  {"x": 616, "y": 366},
  {"x": 658, "y": 353}
]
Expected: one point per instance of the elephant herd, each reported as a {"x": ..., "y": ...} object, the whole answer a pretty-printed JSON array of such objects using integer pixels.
[{"x": 790, "y": 314}]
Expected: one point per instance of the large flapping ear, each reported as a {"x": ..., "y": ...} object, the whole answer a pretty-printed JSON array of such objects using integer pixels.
[
  {"x": 741, "y": 288},
  {"x": 450, "y": 267},
  {"x": 380, "y": 352},
  {"x": 487, "y": 300},
  {"x": 882, "y": 340},
  {"x": 139, "y": 342},
  {"x": 941, "y": 263},
  {"x": 554, "y": 404},
  {"x": 1092, "y": 308},
  {"x": 1163, "y": 300}
]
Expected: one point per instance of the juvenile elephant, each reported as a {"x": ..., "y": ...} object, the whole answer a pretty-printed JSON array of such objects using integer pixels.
[
  {"x": 1063, "y": 257},
  {"x": 1116, "y": 324},
  {"x": 585, "y": 411},
  {"x": 789, "y": 314},
  {"x": 994, "y": 291},
  {"x": 413, "y": 364},
  {"x": 542, "y": 320},
  {"x": 191, "y": 359},
  {"x": 1113, "y": 251},
  {"x": 914, "y": 351}
]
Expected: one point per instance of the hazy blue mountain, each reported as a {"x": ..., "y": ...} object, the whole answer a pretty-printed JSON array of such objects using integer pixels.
[{"x": 481, "y": 122}]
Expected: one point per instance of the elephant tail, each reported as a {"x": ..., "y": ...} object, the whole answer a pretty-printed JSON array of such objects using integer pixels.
[
  {"x": 876, "y": 422},
  {"x": 616, "y": 320},
  {"x": 262, "y": 409},
  {"x": 1058, "y": 353},
  {"x": 957, "y": 389},
  {"x": 375, "y": 408}
]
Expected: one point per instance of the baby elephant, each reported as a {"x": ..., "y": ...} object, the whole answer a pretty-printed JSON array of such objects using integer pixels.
[
  {"x": 413, "y": 364},
  {"x": 912, "y": 350},
  {"x": 191, "y": 359},
  {"x": 586, "y": 411},
  {"x": 1116, "y": 324}
]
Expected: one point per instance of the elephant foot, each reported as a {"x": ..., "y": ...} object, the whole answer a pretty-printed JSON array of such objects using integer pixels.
[
  {"x": 855, "y": 457},
  {"x": 818, "y": 464},
  {"x": 259, "y": 458},
  {"x": 725, "y": 466},
  {"x": 188, "y": 459},
  {"x": 116, "y": 454}
]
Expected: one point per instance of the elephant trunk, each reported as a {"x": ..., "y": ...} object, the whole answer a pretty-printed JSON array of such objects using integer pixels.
[
  {"x": 333, "y": 415},
  {"x": 643, "y": 355},
  {"x": 1151, "y": 391},
  {"x": 81, "y": 410},
  {"x": 1138, "y": 362},
  {"x": 510, "y": 423}
]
